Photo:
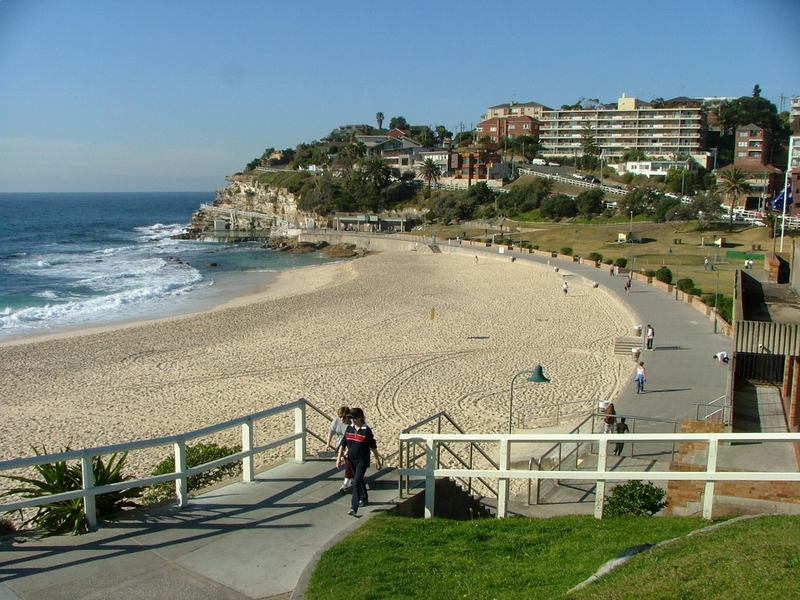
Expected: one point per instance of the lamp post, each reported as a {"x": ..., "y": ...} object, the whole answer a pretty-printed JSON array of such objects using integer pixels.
[
  {"x": 536, "y": 376},
  {"x": 716, "y": 299}
]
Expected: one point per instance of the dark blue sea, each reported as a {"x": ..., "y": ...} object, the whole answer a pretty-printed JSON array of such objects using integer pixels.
[{"x": 94, "y": 259}]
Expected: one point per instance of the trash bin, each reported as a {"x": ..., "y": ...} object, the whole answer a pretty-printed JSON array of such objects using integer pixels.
[
  {"x": 635, "y": 352},
  {"x": 637, "y": 331}
]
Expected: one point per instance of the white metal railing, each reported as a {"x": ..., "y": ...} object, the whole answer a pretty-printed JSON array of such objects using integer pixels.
[
  {"x": 572, "y": 181},
  {"x": 504, "y": 473},
  {"x": 182, "y": 473}
]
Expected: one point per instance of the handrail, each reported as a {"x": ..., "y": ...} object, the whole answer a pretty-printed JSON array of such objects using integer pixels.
[
  {"x": 602, "y": 474},
  {"x": 721, "y": 414},
  {"x": 557, "y": 464},
  {"x": 412, "y": 459},
  {"x": 182, "y": 472}
]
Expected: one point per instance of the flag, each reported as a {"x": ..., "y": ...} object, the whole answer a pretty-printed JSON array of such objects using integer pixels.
[{"x": 778, "y": 201}]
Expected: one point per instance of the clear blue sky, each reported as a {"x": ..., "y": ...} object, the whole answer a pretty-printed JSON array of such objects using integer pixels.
[{"x": 163, "y": 95}]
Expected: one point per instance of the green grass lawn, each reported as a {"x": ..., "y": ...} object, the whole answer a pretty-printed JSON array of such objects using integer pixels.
[
  {"x": 685, "y": 259},
  {"x": 518, "y": 558}
]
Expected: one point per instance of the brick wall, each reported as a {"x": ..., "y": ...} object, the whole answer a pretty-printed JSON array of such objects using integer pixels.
[{"x": 685, "y": 498}]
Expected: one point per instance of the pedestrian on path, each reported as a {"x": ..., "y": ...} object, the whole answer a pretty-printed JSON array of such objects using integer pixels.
[
  {"x": 337, "y": 429},
  {"x": 650, "y": 335},
  {"x": 622, "y": 427},
  {"x": 640, "y": 378},
  {"x": 628, "y": 284},
  {"x": 721, "y": 357},
  {"x": 359, "y": 442},
  {"x": 609, "y": 420},
  {"x": 565, "y": 287}
]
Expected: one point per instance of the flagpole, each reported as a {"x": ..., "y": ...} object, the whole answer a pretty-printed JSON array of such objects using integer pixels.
[{"x": 786, "y": 192}]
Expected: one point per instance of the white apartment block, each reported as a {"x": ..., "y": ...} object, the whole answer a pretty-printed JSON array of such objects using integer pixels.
[{"x": 658, "y": 132}]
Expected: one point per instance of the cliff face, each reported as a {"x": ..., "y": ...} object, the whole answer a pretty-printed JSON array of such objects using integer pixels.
[{"x": 247, "y": 205}]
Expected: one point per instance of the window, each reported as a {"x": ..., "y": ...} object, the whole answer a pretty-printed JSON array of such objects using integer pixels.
[
  {"x": 512, "y": 126},
  {"x": 741, "y": 154},
  {"x": 526, "y": 126},
  {"x": 744, "y": 134},
  {"x": 742, "y": 144},
  {"x": 492, "y": 129}
]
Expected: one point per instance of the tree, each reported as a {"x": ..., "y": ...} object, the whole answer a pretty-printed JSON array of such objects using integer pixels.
[
  {"x": 398, "y": 123},
  {"x": 424, "y": 135},
  {"x": 559, "y": 207},
  {"x": 590, "y": 202},
  {"x": 733, "y": 183},
  {"x": 429, "y": 171},
  {"x": 525, "y": 196},
  {"x": 757, "y": 91},
  {"x": 376, "y": 171},
  {"x": 442, "y": 134},
  {"x": 379, "y": 119}
]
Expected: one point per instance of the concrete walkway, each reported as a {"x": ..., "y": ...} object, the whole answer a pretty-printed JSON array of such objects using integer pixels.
[
  {"x": 257, "y": 540},
  {"x": 237, "y": 542}
]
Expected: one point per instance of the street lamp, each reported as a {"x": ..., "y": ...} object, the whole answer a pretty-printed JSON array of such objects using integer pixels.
[{"x": 536, "y": 376}]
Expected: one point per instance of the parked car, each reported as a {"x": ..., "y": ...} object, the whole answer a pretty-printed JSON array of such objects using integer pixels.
[
  {"x": 591, "y": 179},
  {"x": 552, "y": 164},
  {"x": 577, "y": 175}
]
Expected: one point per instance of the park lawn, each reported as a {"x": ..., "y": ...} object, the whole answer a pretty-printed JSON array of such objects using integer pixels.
[
  {"x": 685, "y": 260},
  {"x": 518, "y": 558}
]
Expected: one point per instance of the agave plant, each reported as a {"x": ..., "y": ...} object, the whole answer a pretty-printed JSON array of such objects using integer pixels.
[{"x": 67, "y": 516}]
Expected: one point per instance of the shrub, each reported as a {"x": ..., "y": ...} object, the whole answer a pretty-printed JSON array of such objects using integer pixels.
[
  {"x": 6, "y": 527},
  {"x": 195, "y": 455},
  {"x": 724, "y": 305},
  {"x": 535, "y": 246},
  {"x": 649, "y": 273},
  {"x": 685, "y": 285},
  {"x": 635, "y": 498},
  {"x": 664, "y": 275},
  {"x": 68, "y": 516},
  {"x": 621, "y": 262},
  {"x": 609, "y": 261},
  {"x": 566, "y": 250},
  {"x": 595, "y": 256}
]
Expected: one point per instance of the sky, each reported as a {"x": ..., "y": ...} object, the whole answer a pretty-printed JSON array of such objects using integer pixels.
[{"x": 173, "y": 95}]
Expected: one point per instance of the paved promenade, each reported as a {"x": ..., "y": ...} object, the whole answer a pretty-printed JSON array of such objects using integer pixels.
[{"x": 256, "y": 540}]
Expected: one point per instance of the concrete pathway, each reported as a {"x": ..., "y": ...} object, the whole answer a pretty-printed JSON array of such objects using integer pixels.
[{"x": 236, "y": 542}]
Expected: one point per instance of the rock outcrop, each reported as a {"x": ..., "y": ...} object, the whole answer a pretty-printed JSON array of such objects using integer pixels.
[{"x": 249, "y": 205}]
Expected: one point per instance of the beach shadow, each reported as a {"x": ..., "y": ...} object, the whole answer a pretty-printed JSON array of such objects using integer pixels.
[
  {"x": 670, "y": 348},
  {"x": 667, "y": 390},
  {"x": 477, "y": 337}
]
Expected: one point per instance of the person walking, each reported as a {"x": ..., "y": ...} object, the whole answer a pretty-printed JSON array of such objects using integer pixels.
[
  {"x": 640, "y": 378},
  {"x": 337, "y": 429},
  {"x": 359, "y": 442},
  {"x": 622, "y": 427},
  {"x": 565, "y": 287},
  {"x": 628, "y": 284},
  {"x": 609, "y": 420},
  {"x": 650, "y": 334}
]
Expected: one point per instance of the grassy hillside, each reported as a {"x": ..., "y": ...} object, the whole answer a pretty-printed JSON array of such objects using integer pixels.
[{"x": 516, "y": 559}]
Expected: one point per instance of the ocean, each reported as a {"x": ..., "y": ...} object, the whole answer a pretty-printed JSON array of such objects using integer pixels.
[{"x": 72, "y": 260}]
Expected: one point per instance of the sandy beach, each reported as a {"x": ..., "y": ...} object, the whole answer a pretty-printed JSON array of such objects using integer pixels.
[{"x": 401, "y": 334}]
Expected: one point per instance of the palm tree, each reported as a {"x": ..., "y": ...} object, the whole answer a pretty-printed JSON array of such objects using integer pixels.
[
  {"x": 379, "y": 119},
  {"x": 733, "y": 183},
  {"x": 376, "y": 171},
  {"x": 429, "y": 171}
]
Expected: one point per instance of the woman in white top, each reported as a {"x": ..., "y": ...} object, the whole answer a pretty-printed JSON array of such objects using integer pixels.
[{"x": 641, "y": 377}]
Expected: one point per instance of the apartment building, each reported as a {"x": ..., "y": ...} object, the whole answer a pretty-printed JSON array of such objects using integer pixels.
[
  {"x": 631, "y": 123},
  {"x": 497, "y": 128},
  {"x": 515, "y": 109},
  {"x": 751, "y": 156}
]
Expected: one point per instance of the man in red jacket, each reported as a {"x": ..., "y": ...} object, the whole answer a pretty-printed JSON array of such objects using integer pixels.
[{"x": 359, "y": 441}]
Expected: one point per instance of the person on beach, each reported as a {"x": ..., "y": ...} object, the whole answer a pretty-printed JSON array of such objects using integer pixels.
[
  {"x": 640, "y": 378},
  {"x": 476, "y": 259},
  {"x": 609, "y": 420},
  {"x": 622, "y": 427},
  {"x": 565, "y": 287},
  {"x": 337, "y": 429},
  {"x": 650, "y": 335},
  {"x": 359, "y": 442}
]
